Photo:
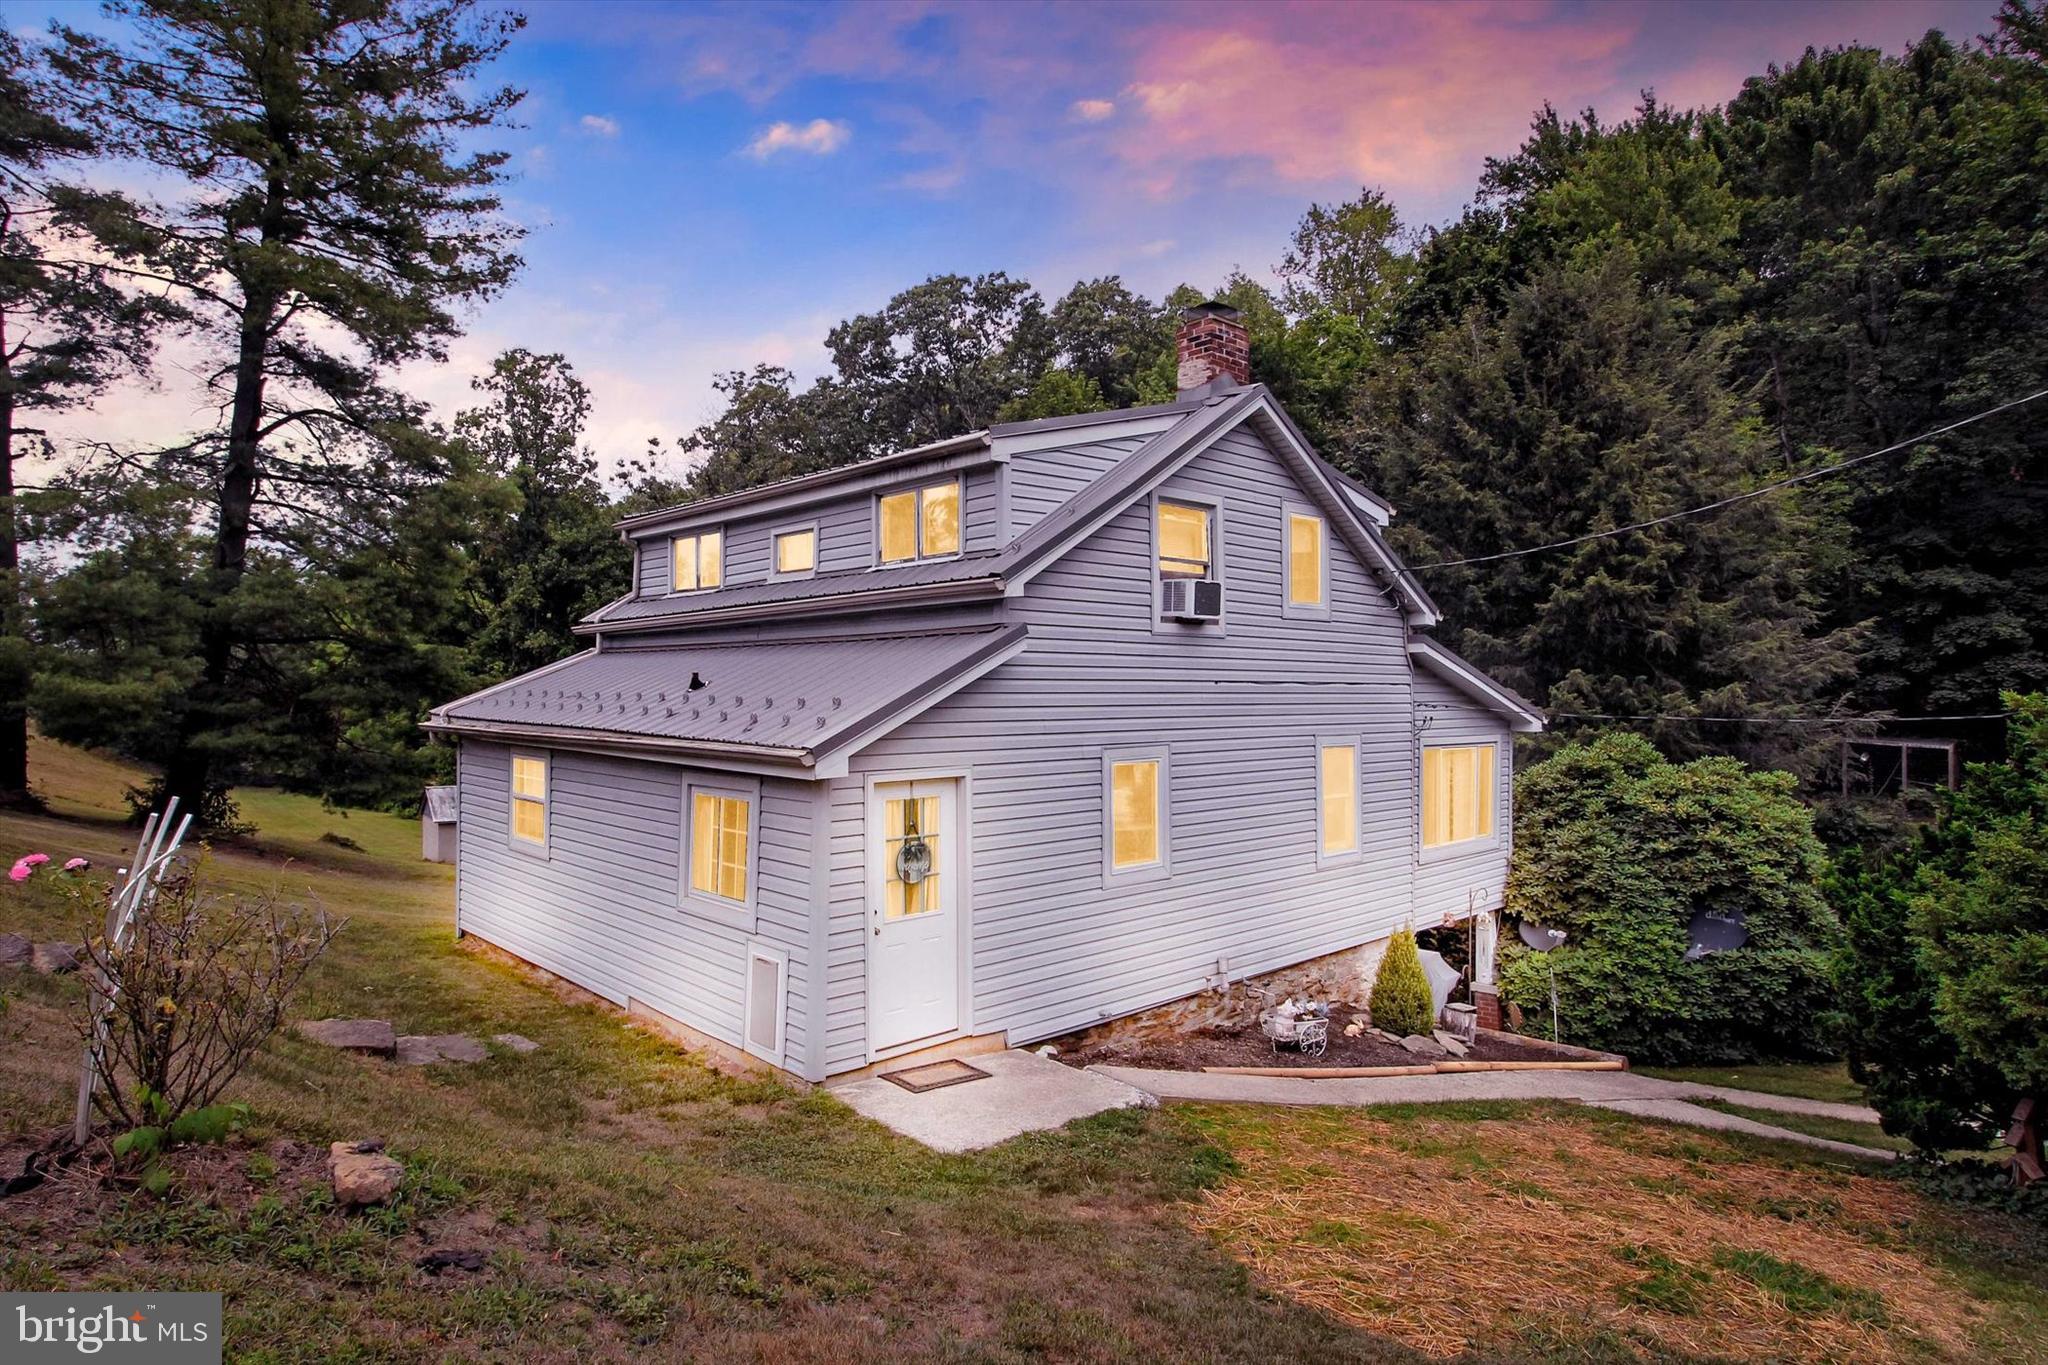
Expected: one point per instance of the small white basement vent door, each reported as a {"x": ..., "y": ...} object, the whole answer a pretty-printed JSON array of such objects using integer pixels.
[{"x": 766, "y": 969}]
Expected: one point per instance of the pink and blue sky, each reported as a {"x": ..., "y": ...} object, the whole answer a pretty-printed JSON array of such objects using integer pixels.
[{"x": 711, "y": 186}]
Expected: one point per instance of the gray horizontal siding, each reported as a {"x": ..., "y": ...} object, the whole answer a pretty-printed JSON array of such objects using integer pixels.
[
  {"x": 601, "y": 908},
  {"x": 1241, "y": 711},
  {"x": 846, "y": 534},
  {"x": 1041, "y": 480},
  {"x": 1473, "y": 878}
]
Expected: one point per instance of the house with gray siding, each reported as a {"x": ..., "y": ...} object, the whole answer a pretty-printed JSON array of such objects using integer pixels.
[{"x": 993, "y": 739}]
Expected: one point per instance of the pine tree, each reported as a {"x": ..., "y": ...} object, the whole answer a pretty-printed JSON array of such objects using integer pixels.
[
  {"x": 68, "y": 328},
  {"x": 1586, "y": 403},
  {"x": 329, "y": 215}
]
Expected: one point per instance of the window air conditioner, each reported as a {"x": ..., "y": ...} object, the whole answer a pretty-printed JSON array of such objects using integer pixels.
[{"x": 1190, "y": 599}]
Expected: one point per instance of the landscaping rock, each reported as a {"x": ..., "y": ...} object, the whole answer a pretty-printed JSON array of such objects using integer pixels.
[
  {"x": 14, "y": 950},
  {"x": 1423, "y": 1047},
  {"x": 424, "y": 1049},
  {"x": 362, "y": 1174},
  {"x": 1385, "y": 1036},
  {"x": 1451, "y": 1043},
  {"x": 354, "y": 1035},
  {"x": 520, "y": 1045},
  {"x": 53, "y": 959}
]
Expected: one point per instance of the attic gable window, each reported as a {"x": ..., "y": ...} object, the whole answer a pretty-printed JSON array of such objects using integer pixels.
[
  {"x": 696, "y": 561},
  {"x": 1307, "y": 563},
  {"x": 919, "y": 523},
  {"x": 1185, "y": 535}
]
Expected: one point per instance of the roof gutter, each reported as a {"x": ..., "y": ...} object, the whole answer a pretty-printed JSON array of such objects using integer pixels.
[
  {"x": 613, "y": 741},
  {"x": 854, "y": 599}
]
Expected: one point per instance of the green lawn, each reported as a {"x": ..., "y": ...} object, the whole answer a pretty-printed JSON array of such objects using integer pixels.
[
  {"x": 1807, "y": 1081},
  {"x": 634, "y": 1203}
]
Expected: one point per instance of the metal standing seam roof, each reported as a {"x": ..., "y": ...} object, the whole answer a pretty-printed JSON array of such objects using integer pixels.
[{"x": 785, "y": 695}]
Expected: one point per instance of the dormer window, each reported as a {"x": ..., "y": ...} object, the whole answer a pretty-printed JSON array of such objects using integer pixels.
[
  {"x": 796, "y": 552},
  {"x": 696, "y": 561},
  {"x": 919, "y": 523},
  {"x": 1185, "y": 535}
]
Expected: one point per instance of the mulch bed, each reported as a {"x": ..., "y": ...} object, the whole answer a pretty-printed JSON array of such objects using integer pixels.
[{"x": 1249, "y": 1047}]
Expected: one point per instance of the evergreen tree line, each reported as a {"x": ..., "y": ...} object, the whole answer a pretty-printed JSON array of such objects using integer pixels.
[{"x": 1629, "y": 320}]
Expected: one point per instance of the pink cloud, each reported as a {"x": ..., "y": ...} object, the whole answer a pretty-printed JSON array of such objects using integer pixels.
[{"x": 1391, "y": 95}]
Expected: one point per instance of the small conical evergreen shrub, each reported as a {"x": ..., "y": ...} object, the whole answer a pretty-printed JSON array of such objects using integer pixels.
[{"x": 1400, "y": 993}]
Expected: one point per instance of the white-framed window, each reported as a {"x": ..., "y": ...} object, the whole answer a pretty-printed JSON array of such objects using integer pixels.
[
  {"x": 1185, "y": 536},
  {"x": 530, "y": 801},
  {"x": 696, "y": 561},
  {"x": 1308, "y": 562},
  {"x": 796, "y": 552},
  {"x": 1457, "y": 793},
  {"x": 918, "y": 523},
  {"x": 1337, "y": 797},
  {"x": 721, "y": 828},
  {"x": 1135, "y": 792}
]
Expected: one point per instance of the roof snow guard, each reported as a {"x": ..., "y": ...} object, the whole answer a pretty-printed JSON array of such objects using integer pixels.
[
  {"x": 797, "y": 707},
  {"x": 1523, "y": 716}
]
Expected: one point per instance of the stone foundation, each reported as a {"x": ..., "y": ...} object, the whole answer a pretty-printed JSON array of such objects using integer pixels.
[{"x": 1343, "y": 978}]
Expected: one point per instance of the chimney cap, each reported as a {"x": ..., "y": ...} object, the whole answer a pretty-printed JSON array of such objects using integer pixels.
[{"x": 1213, "y": 308}]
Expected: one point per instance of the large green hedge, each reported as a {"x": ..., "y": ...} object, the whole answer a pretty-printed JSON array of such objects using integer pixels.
[
  {"x": 1943, "y": 975},
  {"x": 1618, "y": 847}
]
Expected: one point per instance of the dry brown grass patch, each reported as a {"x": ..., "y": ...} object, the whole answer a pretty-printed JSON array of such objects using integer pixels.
[{"x": 1450, "y": 1234}]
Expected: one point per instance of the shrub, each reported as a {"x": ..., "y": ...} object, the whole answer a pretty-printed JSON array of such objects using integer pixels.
[
  {"x": 1400, "y": 990},
  {"x": 1942, "y": 980},
  {"x": 198, "y": 985},
  {"x": 1914, "y": 1074},
  {"x": 1618, "y": 848}
]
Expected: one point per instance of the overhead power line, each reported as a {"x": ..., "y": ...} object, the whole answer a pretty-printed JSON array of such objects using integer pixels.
[{"x": 1768, "y": 488}]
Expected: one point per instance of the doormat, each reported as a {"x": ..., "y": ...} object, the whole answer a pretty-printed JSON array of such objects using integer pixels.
[{"x": 934, "y": 1076}]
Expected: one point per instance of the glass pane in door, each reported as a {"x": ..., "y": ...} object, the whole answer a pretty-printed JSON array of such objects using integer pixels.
[{"x": 910, "y": 820}]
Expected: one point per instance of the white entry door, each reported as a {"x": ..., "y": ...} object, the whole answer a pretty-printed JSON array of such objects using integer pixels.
[{"x": 913, "y": 912}]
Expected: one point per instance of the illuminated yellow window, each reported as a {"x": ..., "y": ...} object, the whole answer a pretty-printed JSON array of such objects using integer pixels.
[
  {"x": 694, "y": 561},
  {"x": 1134, "y": 813},
  {"x": 796, "y": 551},
  {"x": 530, "y": 799},
  {"x": 1457, "y": 793},
  {"x": 1183, "y": 541},
  {"x": 921, "y": 523},
  {"x": 718, "y": 845},
  {"x": 906, "y": 818},
  {"x": 941, "y": 521},
  {"x": 1340, "y": 798},
  {"x": 1304, "y": 560}
]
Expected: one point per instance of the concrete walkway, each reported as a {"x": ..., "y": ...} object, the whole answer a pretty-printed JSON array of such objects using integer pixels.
[
  {"x": 1023, "y": 1094},
  {"x": 1622, "y": 1091}
]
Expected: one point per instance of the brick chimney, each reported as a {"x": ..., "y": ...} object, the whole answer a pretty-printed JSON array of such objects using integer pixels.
[{"x": 1214, "y": 350}]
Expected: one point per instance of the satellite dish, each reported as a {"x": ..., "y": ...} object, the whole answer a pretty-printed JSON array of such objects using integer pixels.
[{"x": 1712, "y": 933}]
